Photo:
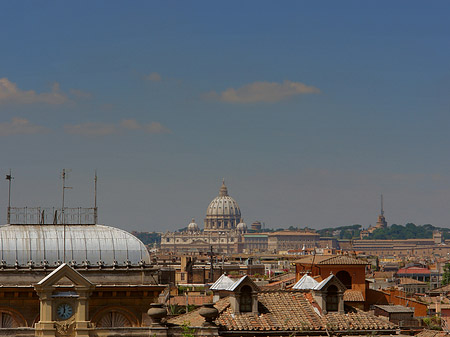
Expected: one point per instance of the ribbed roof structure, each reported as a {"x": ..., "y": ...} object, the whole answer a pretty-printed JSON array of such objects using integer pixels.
[
  {"x": 22, "y": 245},
  {"x": 305, "y": 283},
  {"x": 222, "y": 283},
  {"x": 223, "y": 205}
]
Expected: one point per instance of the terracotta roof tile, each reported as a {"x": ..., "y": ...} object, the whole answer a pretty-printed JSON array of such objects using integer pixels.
[
  {"x": 286, "y": 310},
  {"x": 330, "y": 259},
  {"x": 432, "y": 333},
  {"x": 408, "y": 280},
  {"x": 353, "y": 296}
]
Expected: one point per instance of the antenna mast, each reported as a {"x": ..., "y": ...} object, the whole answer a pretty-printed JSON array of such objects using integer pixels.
[
  {"x": 63, "y": 219},
  {"x": 95, "y": 199},
  {"x": 9, "y": 177}
]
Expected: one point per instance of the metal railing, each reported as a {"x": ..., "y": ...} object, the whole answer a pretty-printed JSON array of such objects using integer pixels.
[{"x": 52, "y": 215}]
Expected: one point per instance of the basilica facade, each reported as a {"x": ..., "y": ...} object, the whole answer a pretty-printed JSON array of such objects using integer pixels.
[{"x": 224, "y": 229}]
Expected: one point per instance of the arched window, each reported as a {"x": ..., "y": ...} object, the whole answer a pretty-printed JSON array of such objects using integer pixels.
[
  {"x": 332, "y": 298},
  {"x": 345, "y": 278},
  {"x": 114, "y": 319},
  {"x": 11, "y": 319},
  {"x": 245, "y": 304}
]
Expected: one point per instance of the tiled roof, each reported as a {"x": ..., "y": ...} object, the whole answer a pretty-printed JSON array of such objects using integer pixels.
[
  {"x": 383, "y": 274},
  {"x": 331, "y": 259},
  {"x": 279, "y": 285},
  {"x": 408, "y": 280},
  {"x": 394, "y": 308},
  {"x": 413, "y": 270},
  {"x": 434, "y": 299},
  {"x": 342, "y": 259},
  {"x": 432, "y": 333},
  {"x": 286, "y": 310},
  {"x": 353, "y": 296},
  {"x": 443, "y": 289}
]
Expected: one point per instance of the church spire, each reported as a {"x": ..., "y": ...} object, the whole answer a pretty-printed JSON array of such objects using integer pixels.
[{"x": 223, "y": 189}]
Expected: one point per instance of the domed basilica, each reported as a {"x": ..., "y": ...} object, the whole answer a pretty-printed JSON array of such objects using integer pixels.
[{"x": 223, "y": 229}]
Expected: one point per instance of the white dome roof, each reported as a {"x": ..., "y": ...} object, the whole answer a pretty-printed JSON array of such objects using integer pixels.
[
  {"x": 242, "y": 226},
  {"x": 223, "y": 205},
  {"x": 193, "y": 226},
  {"x": 94, "y": 243}
]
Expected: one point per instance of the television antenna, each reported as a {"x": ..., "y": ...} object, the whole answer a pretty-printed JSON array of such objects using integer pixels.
[
  {"x": 64, "y": 187},
  {"x": 9, "y": 177}
]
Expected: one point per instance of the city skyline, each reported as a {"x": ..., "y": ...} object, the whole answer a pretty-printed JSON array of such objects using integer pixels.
[{"x": 308, "y": 111}]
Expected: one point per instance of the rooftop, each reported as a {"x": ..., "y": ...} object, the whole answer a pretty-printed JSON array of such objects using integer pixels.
[
  {"x": 395, "y": 308},
  {"x": 330, "y": 259},
  {"x": 293, "y": 233},
  {"x": 286, "y": 310}
]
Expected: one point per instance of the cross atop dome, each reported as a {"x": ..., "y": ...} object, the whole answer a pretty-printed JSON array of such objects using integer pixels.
[{"x": 223, "y": 190}]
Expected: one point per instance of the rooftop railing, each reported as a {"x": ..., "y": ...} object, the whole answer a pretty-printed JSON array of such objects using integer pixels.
[{"x": 52, "y": 216}]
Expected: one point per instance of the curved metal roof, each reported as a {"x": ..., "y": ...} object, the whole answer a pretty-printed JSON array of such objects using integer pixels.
[{"x": 84, "y": 244}]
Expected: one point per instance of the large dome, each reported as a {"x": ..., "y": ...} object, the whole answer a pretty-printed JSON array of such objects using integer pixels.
[
  {"x": 84, "y": 244},
  {"x": 223, "y": 212}
]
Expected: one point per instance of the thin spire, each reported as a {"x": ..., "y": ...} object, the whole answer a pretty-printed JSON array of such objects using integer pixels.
[{"x": 382, "y": 209}]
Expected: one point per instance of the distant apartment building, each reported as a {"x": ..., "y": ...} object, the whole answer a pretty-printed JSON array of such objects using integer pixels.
[
  {"x": 284, "y": 241},
  {"x": 401, "y": 248},
  {"x": 254, "y": 242}
]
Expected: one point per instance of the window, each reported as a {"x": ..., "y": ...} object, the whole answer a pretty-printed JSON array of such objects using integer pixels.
[
  {"x": 332, "y": 298},
  {"x": 246, "y": 299},
  {"x": 345, "y": 278}
]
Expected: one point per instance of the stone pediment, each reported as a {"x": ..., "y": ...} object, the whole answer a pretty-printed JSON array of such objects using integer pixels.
[{"x": 64, "y": 275}]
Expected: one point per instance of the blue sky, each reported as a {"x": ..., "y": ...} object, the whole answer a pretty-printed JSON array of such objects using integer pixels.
[{"x": 308, "y": 110}]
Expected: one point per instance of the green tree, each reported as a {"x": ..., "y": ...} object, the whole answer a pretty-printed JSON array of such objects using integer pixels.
[{"x": 446, "y": 275}]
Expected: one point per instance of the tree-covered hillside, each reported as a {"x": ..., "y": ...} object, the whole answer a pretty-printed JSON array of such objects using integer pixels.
[
  {"x": 343, "y": 232},
  {"x": 408, "y": 231},
  {"x": 148, "y": 238}
]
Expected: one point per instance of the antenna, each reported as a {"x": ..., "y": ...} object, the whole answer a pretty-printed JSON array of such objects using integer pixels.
[
  {"x": 62, "y": 209},
  {"x": 9, "y": 177},
  {"x": 382, "y": 210},
  {"x": 95, "y": 199}
]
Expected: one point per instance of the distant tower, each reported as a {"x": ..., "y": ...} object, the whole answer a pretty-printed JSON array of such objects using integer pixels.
[{"x": 381, "y": 223}]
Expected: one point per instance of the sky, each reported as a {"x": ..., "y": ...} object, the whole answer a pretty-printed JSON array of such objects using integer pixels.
[{"x": 309, "y": 110}]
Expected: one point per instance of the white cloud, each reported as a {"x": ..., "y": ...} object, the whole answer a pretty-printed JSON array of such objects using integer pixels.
[
  {"x": 104, "y": 129},
  {"x": 80, "y": 93},
  {"x": 156, "y": 127},
  {"x": 267, "y": 92},
  {"x": 20, "y": 126},
  {"x": 154, "y": 77},
  {"x": 91, "y": 129},
  {"x": 130, "y": 124},
  {"x": 10, "y": 93}
]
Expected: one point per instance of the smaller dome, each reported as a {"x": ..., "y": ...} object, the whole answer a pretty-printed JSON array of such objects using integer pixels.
[
  {"x": 193, "y": 227},
  {"x": 241, "y": 226}
]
